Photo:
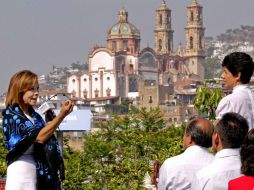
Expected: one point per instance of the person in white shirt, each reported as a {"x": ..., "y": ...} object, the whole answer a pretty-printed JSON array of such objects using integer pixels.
[
  {"x": 176, "y": 173},
  {"x": 227, "y": 138},
  {"x": 237, "y": 72}
]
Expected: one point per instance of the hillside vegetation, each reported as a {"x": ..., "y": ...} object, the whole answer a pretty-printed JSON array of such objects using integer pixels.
[{"x": 242, "y": 34}]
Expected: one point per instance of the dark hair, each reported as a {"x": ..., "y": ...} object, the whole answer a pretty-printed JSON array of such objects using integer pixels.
[
  {"x": 247, "y": 154},
  {"x": 232, "y": 129},
  {"x": 239, "y": 62},
  {"x": 201, "y": 135}
]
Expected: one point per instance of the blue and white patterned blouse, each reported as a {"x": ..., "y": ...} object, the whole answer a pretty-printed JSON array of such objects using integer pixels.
[{"x": 20, "y": 133}]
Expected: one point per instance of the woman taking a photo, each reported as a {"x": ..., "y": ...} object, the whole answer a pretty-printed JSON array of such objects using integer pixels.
[{"x": 34, "y": 160}]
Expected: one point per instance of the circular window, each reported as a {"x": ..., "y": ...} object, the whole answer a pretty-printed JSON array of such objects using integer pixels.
[
  {"x": 73, "y": 80},
  {"x": 108, "y": 78},
  {"x": 85, "y": 79},
  {"x": 96, "y": 79}
]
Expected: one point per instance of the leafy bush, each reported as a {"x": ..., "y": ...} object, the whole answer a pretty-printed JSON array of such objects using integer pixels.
[
  {"x": 207, "y": 100},
  {"x": 122, "y": 151},
  {"x": 3, "y": 152}
]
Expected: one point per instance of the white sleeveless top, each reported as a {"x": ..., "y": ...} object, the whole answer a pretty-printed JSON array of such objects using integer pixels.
[{"x": 21, "y": 174}]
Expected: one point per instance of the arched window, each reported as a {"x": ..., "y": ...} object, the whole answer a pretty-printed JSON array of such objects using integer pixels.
[
  {"x": 200, "y": 42},
  {"x": 73, "y": 93},
  {"x": 160, "y": 44},
  {"x": 125, "y": 44},
  {"x": 108, "y": 92},
  {"x": 150, "y": 101},
  {"x": 160, "y": 20},
  {"x": 191, "y": 42},
  {"x": 96, "y": 92},
  {"x": 169, "y": 80},
  {"x": 169, "y": 45},
  {"x": 191, "y": 16},
  {"x": 85, "y": 94},
  {"x": 122, "y": 68},
  {"x": 176, "y": 65},
  {"x": 131, "y": 68},
  {"x": 114, "y": 45}
]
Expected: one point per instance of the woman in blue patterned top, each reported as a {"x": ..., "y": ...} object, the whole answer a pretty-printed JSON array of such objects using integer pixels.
[{"x": 34, "y": 159}]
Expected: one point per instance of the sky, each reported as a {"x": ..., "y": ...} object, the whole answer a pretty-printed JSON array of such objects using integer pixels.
[{"x": 37, "y": 34}]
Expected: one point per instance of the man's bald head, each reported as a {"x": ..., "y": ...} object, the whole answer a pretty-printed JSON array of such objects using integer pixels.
[{"x": 200, "y": 130}]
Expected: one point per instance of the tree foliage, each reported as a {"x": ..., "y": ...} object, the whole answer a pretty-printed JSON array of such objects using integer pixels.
[
  {"x": 3, "y": 152},
  {"x": 242, "y": 34},
  {"x": 73, "y": 172},
  {"x": 207, "y": 100},
  {"x": 123, "y": 150}
]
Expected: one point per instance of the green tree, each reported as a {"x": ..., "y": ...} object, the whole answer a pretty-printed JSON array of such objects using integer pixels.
[
  {"x": 207, "y": 100},
  {"x": 3, "y": 152},
  {"x": 123, "y": 150},
  {"x": 73, "y": 173}
]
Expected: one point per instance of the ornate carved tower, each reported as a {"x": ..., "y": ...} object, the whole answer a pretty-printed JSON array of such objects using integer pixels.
[
  {"x": 195, "y": 39},
  {"x": 163, "y": 33}
]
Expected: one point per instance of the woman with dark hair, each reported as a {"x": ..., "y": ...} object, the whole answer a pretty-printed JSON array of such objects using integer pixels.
[
  {"x": 245, "y": 182},
  {"x": 29, "y": 139}
]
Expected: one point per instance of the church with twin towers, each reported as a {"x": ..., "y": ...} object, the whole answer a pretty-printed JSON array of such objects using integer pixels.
[{"x": 146, "y": 76}]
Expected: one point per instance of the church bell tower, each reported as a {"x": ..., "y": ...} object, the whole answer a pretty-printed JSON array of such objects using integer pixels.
[
  {"x": 163, "y": 33},
  {"x": 195, "y": 39}
]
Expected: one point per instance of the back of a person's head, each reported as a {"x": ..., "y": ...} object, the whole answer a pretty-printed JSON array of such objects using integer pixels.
[
  {"x": 232, "y": 129},
  {"x": 247, "y": 154},
  {"x": 201, "y": 131},
  {"x": 239, "y": 62}
]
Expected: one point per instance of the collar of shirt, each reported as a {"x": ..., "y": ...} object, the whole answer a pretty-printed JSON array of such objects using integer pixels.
[
  {"x": 240, "y": 87},
  {"x": 195, "y": 148},
  {"x": 228, "y": 152}
]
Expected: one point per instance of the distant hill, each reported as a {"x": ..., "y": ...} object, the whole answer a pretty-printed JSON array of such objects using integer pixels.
[
  {"x": 239, "y": 39},
  {"x": 242, "y": 34}
]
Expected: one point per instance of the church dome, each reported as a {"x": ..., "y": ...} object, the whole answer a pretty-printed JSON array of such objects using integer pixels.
[{"x": 123, "y": 29}]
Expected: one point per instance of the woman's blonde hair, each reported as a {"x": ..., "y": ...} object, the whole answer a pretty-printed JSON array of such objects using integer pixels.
[{"x": 20, "y": 82}]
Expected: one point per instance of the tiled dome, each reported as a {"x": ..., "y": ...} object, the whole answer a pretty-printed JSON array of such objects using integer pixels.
[{"x": 123, "y": 28}]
